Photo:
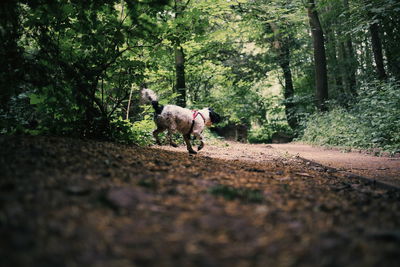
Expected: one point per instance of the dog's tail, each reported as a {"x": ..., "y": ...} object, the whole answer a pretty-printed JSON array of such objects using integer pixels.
[{"x": 149, "y": 97}]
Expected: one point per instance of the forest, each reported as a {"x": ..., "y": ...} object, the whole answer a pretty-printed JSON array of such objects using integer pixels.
[
  {"x": 83, "y": 182},
  {"x": 323, "y": 71}
]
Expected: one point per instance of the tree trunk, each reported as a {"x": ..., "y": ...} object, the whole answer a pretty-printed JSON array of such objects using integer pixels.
[
  {"x": 321, "y": 73},
  {"x": 180, "y": 76},
  {"x": 393, "y": 59},
  {"x": 377, "y": 50},
  {"x": 351, "y": 65},
  {"x": 290, "y": 108},
  {"x": 180, "y": 85},
  {"x": 129, "y": 103},
  {"x": 368, "y": 63},
  {"x": 333, "y": 66},
  {"x": 390, "y": 25},
  {"x": 283, "y": 52},
  {"x": 11, "y": 59}
]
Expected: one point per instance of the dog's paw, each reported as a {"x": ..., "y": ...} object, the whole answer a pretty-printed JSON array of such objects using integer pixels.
[
  {"x": 192, "y": 152},
  {"x": 174, "y": 145}
]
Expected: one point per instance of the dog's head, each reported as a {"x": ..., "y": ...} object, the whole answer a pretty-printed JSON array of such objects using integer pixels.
[{"x": 214, "y": 116}]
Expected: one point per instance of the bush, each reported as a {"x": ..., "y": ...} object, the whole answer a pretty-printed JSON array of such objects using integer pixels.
[
  {"x": 19, "y": 118},
  {"x": 138, "y": 132},
  {"x": 264, "y": 134},
  {"x": 373, "y": 121}
]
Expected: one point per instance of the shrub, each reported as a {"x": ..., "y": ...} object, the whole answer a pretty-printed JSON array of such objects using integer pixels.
[
  {"x": 373, "y": 121},
  {"x": 264, "y": 133},
  {"x": 138, "y": 132}
]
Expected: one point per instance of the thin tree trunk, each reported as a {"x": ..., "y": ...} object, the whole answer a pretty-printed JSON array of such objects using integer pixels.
[
  {"x": 129, "y": 104},
  {"x": 180, "y": 76},
  {"x": 11, "y": 59},
  {"x": 180, "y": 86},
  {"x": 390, "y": 25},
  {"x": 321, "y": 73},
  {"x": 342, "y": 53},
  {"x": 351, "y": 65},
  {"x": 335, "y": 67},
  {"x": 368, "y": 56},
  {"x": 283, "y": 52},
  {"x": 377, "y": 50},
  {"x": 290, "y": 109},
  {"x": 393, "y": 60}
]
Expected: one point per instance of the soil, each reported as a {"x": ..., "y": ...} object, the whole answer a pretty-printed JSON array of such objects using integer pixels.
[
  {"x": 69, "y": 202},
  {"x": 383, "y": 169}
]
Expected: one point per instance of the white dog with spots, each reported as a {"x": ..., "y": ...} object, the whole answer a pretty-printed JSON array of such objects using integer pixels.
[{"x": 177, "y": 119}]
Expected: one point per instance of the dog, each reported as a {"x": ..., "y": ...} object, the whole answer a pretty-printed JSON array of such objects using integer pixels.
[{"x": 177, "y": 119}]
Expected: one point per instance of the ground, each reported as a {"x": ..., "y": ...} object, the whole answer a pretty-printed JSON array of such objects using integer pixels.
[
  {"x": 383, "y": 169},
  {"x": 69, "y": 202}
]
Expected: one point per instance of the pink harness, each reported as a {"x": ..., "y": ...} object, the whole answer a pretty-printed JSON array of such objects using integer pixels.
[{"x": 195, "y": 114}]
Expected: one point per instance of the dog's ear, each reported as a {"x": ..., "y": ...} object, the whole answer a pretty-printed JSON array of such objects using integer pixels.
[{"x": 214, "y": 116}]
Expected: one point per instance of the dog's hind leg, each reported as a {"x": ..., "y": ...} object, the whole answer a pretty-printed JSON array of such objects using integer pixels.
[{"x": 186, "y": 137}]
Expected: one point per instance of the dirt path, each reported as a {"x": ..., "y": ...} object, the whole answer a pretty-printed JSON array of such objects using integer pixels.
[
  {"x": 68, "y": 202},
  {"x": 381, "y": 169}
]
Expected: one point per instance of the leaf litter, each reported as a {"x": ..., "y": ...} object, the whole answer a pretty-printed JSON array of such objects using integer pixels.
[{"x": 74, "y": 202}]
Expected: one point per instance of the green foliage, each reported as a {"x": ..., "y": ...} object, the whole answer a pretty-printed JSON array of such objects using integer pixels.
[
  {"x": 373, "y": 122},
  {"x": 261, "y": 135},
  {"x": 264, "y": 134},
  {"x": 81, "y": 60},
  {"x": 232, "y": 193},
  {"x": 19, "y": 117},
  {"x": 138, "y": 132},
  {"x": 67, "y": 67}
]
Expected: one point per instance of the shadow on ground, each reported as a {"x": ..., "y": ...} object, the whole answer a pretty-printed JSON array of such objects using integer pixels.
[{"x": 68, "y": 202}]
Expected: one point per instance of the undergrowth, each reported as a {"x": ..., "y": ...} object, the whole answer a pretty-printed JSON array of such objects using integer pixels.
[
  {"x": 264, "y": 134},
  {"x": 138, "y": 132},
  {"x": 372, "y": 122}
]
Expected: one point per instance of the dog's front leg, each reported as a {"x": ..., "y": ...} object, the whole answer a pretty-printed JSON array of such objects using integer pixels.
[
  {"x": 199, "y": 137},
  {"x": 186, "y": 137}
]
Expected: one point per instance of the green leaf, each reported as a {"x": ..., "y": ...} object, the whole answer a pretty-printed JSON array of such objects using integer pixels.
[{"x": 36, "y": 99}]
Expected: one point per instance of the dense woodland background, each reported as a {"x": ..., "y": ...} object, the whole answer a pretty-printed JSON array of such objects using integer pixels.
[{"x": 324, "y": 71}]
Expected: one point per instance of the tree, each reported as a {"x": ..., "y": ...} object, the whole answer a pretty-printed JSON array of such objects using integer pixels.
[
  {"x": 282, "y": 47},
  {"x": 376, "y": 42},
  {"x": 11, "y": 57},
  {"x": 279, "y": 20},
  {"x": 351, "y": 62},
  {"x": 341, "y": 63},
  {"x": 180, "y": 85},
  {"x": 321, "y": 75},
  {"x": 82, "y": 55}
]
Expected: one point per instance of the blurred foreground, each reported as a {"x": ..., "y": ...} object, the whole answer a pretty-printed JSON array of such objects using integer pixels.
[{"x": 68, "y": 202}]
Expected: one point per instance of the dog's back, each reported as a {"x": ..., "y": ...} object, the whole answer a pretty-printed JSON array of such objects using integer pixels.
[{"x": 175, "y": 118}]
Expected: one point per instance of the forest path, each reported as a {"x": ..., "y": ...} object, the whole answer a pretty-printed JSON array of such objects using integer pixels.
[
  {"x": 71, "y": 202},
  {"x": 384, "y": 170}
]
